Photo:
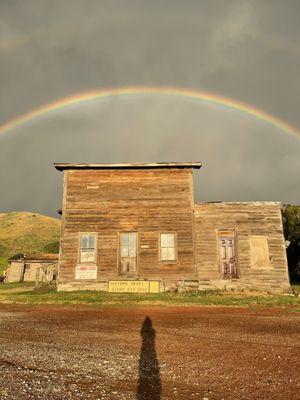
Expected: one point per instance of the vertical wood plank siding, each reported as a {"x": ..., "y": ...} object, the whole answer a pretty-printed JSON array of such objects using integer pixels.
[
  {"x": 263, "y": 218},
  {"x": 111, "y": 201}
]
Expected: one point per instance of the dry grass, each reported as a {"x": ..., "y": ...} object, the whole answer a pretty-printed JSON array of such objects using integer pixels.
[
  {"x": 24, "y": 293},
  {"x": 23, "y": 232}
]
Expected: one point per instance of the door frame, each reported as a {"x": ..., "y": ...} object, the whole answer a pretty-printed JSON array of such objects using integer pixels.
[
  {"x": 227, "y": 233},
  {"x": 129, "y": 274}
]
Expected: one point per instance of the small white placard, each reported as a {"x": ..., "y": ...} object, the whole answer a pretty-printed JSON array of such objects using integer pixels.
[
  {"x": 86, "y": 272},
  {"x": 92, "y": 187}
]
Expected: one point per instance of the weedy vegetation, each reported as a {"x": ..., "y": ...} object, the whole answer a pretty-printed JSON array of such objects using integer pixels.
[
  {"x": 26, "y": 294},
  {"x": 3, "y": 264}
]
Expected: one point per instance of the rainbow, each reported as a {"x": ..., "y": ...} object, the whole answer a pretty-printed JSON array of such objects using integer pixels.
[{"x": 141, "y": 90}]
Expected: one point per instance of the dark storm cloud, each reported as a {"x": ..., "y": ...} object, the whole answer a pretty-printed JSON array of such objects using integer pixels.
[
  {"x": 243, "y": 49},
  {"x": 237, "y": 165},
  {"x": 246, "y": 50}
]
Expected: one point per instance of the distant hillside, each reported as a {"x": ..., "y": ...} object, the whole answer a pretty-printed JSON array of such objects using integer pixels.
[{"x": 24, "y": 232}]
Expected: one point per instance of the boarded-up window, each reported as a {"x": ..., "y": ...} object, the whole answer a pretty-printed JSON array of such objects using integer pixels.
[
  {"x": 88, "y": 248},
  {"x": 167, "y": 247},
  {"x": 259, "y": 250}
]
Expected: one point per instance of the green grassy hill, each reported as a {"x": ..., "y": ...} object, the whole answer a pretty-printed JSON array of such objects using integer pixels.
[{"x": 24, "y": 232}]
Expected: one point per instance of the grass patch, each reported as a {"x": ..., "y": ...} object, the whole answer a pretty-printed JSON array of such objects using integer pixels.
[
  {"x": 3, "y": 264},
  {"x": 296, "y": 287},
  {"x": 16, "y": 287},
  {"x": 24, "y": 293}
]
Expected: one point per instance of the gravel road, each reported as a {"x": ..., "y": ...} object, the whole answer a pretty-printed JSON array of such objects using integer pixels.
[{"x": 153, "y": 353}]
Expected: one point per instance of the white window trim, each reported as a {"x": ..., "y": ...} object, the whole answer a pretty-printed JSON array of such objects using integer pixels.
[{"x": 163, "y": 261}]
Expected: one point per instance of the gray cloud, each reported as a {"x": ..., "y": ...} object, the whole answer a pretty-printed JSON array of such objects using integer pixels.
[
  {"x": 243, "y": 158},
  {"x": 246, "y": 50}
]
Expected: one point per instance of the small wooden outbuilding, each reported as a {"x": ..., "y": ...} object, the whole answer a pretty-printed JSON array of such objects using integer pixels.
[
  {"x": 136, "y": 228},
  {"x": 24, "y": 268}
]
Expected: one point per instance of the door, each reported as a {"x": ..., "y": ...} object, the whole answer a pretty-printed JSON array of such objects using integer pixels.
[
  {"x": 128, "y": 259},
  {"x": 227, "y": 257}
]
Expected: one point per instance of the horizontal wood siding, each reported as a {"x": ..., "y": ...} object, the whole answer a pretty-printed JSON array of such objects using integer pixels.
[
  {"x": 247, "y": 219},
  {"x": 111, "y": 201}
]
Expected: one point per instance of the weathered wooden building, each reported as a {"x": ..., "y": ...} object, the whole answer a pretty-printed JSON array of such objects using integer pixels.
[
  {"x": 136, "y": 227},
  {"x": 24, "y": 268}
]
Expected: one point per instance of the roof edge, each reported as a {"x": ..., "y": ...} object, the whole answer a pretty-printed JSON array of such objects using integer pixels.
[
  {"x": 64, "y": 166},
  {"x": 237, "y": 202}
]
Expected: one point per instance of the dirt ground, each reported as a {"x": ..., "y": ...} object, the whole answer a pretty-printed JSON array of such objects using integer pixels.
[{"x": 109, "y": 352}]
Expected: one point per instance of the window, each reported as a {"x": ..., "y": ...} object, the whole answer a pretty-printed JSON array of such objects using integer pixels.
[
  {"x": 88, "y": 248},
  {"x": 167, "y": 247},
  {"x": 128, "y": 244}
]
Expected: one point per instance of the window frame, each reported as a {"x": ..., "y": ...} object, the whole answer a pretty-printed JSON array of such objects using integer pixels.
[
  {"x": 128, "y": 244},
  {"x": 80, "y": 236},
  {"x": 160, "y": 260}
]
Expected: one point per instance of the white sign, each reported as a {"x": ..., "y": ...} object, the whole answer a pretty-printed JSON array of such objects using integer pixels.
[{"x": 86, "y": 272}]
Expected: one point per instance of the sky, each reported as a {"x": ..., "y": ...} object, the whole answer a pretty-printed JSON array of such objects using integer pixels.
[{"x": 245, "y": 51}]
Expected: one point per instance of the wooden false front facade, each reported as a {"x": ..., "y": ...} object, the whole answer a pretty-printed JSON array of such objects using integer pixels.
[{"x": 135, "y": 227}]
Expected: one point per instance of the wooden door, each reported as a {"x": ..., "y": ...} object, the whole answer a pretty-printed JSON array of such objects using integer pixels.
[
  {"x": 228, "y": 257},
  {"x": 128, "y": 253}
]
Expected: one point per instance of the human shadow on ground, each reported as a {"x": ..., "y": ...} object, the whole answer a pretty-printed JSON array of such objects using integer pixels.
[{"x": 149, "y": 384}]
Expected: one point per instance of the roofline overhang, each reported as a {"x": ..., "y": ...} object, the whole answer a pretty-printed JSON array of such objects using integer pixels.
[{"x": 162, "y": 165}]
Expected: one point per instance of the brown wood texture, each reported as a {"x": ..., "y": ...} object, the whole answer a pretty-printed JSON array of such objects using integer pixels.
[
  {"x": 15, "y": 271},
  {"x": 24, "y": 270},
  {"x": 256, "y": 218},
  {"x": 146, "y": 201}
]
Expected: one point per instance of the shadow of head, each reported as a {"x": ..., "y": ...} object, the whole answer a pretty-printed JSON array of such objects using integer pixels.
[
  {"x": 147, "y": 330},
  {"x": 149, "y": 385}
]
